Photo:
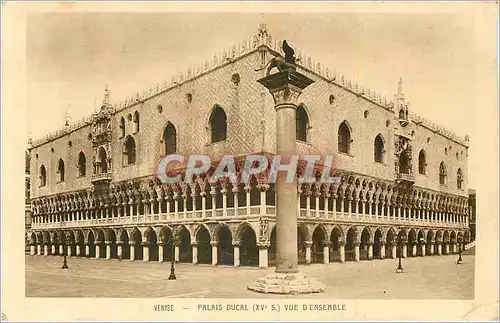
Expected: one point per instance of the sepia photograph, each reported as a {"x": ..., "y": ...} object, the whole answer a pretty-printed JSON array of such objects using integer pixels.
[{"x": 203, "y": 162}]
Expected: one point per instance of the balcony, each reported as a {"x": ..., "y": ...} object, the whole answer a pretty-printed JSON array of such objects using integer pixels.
[
  {"x": 406, "y": 179},
  {"x": 101, "y": 179}
]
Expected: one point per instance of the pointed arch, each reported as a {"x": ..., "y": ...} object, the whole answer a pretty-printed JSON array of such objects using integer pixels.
[
  {"x": 122, "y": 127},
  {"x": 218, "y": 124},
  {"x": 61, "y": 170},
  {"x": 43, "y": 176},
  {"x": 379, "y": 148},
  {"x": 460, "y": 179},
  {"x": 129, "y": 151},
  {"x": 82, "y": 164},
  {"x": 169, "y": 139},
  {"x": 301, "y": 123},
  {"x": 344, "y": 138},
  {"x": 442, "y": 173},
  {"x": 422, "y": 162},
  {"x": 136, "y": 121}
]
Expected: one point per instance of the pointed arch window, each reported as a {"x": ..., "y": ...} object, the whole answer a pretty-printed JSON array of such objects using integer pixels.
[
  {"x": 102, "y": 161},
  {"x": 43, "y": 176},
  {"x": 301, "y": 124},
  {"x": 344, "y": 138},
  {"x": 82, "y": 164},
  {"x": 422, "y": 163},
  {"x": 379, "y": 150},
  {"x": 442, "y": 174},
  {"x": 136, "y": 121},
  {"x": 130, "y": 151},
  {"x": 122, "y": 127},
  {"x": 170, "y": 139},
  {"x": 218, "y": 124},
  {"x": 60, "y": 170},
  {"x": 404, "y": 163},
  {"x": 460, "y": 179}
]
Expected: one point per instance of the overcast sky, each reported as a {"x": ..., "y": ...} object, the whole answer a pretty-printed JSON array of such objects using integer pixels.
[{"x": 70, "y": 57}]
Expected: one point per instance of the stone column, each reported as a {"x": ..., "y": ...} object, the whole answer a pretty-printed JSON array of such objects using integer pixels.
[
  {"x": 194, "y": 246},
  {"x": 32, "y": 250},
  {"x": 236, "y": 253},
  {"x": 97, "y": 249},
  {"x": 61, "y": 250},
  {"x": 145, "y": 250},
  {"x": 132, "y": 250},
  {"x": 422, "y": 246},
  {"x": 326, "y": 252},
  {"x": 382, "y": 249},
  {"x": 39, "y": 250},
  {"x": 108, "y": 249},
  {"x": 308, "y": 252},
  {"x": 87, "y": 250},
  {"x": 263, "y": 256},
  {"x": 356, "y": 251},
  {"x": 405, "y": 248},
  {"x": 447, "y": 249},
  {"x": 432, "y": 248},
  {"x": 285, "y": 87},
  {"x": 119, "y": 250},
  {"x": 45, "y": 250},
  {"x": 214, "y": 252},
  {"x": 68, "y": 250},
  {"x": 342, "y": 251},
  {"x": 176, "y": 251},
  {"x": 393, "y": 251},
  {"x": 414, "y": 249},
  {"x": 440, "y": 249},
  {"x": 53, "y": 249},
  {"x": 160, "y": 252},
  {"x": 78, "y": 251},
  {"x": 370, "y": 250}
]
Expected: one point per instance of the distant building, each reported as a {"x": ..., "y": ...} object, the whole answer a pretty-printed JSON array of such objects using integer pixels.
[
  {"x": 472, "y": 213},
  {"x": 27, "y": 201}
]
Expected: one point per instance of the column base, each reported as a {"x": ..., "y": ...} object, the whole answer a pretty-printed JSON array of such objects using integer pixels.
[{"x": 286, "y": 283}]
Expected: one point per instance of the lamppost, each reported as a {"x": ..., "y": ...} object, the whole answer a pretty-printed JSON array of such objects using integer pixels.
[
  {"x": 65, "y": 251},
  {"x": 172, "y": 262},
  {"x": 459, "y": 261},
  {"x": 399, "y": 270}
]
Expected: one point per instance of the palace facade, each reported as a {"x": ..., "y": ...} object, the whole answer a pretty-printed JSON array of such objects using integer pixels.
[{"x": 94, "y": 192}]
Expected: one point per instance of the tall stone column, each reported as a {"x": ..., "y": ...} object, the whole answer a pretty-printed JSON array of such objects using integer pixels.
[
  {"x": 440, "y": 249},
  {"x": 145, "y": 250},
  {"x": 263, "y": 256},
  {"x": 422, "y": 246},
  {"x": 87, "y": 250},
  {"x": 342, "y": 251},
  {"x": 236, "y": 253},
  {"x": 39, "y": 250},
  {"x": 132, "y": 250},
  {"x": 326, "y": 252},
  {"x": 68, "y": 250},
  {"x": 160, "y": 252},
  {"x": 285, "y": 87},
  {"x": 108, "y": 250},
  {"x": 308, "y": 252},
  {"x": 432, "y": 248},
  {"x": 356, "y": 251},
  {"x": 97, "y": 249},
  {"x": 32, "y": 250},
  {"x": 78, "y": 251},
  {"x": 382, "y": 250},
  {"x": 214, "y": 252},
  {"x": 45, "y": 250},
  {"x": 370, "y": 250},
  {"x": 194, "y": 246},
  {"x": 61, "y": 250}
]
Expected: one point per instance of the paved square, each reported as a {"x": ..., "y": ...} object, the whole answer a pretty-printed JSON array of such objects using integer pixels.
[{"x": 436, "y": 277}]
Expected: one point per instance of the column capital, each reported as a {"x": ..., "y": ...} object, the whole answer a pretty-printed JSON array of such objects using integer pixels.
[
  {"x": 214, "y": 243},
  {"x": 263, "y": 245},
  {"x": 194, "y": 244},
  {"x": 236, "y": 243},
  {"x": 308, "y": 244},
  {"x": 145, "y": 243},
  {"x": 285, "y": 87}
]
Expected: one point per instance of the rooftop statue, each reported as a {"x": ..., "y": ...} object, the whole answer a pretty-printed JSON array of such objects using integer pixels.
[{"x": 287, "y": 63}]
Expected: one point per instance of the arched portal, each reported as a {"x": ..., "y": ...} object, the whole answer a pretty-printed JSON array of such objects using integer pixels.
[
  {"x": 91, "y": 244},
  {"x": 112, "y": 243},
  {"x": 350, "y": 244},
  {"x": 318, "y": 241},
  {"x": 412, "y": 243},
  {"x": 430, "y": 238},
  {"x": 390, "y": 242},
  {"x": 125, "y": 245},
  {"x": 153, "y": 245},
  {"x": 249, "y": 252},
  {"x": 166, "y": 237},
  {"x": 376, "y": 244},
  {"x": 420, "y": 243},
  {"x": 225, "y": 253},
  {"x": 204, "y": 246},
  {"x": 185, "y": 249},
  {"x": 365, "y": 242},
  {"x": 301, "y": 244},
  {"x": 137, "y": 238},
  {"x": 335, "y": 239}
]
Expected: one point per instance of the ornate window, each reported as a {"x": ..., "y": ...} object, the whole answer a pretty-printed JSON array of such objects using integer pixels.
[
  {"x": 442, "y": 173},
  {"x": 218, "y": 124},
  {"x": 122, "y": 127},
  {"x": 404, "y": 162},
  {"x": 82, "y": 164},
  {"x": 170, "y": 139},
  {"x": 460, "y": 179},
  {"x": 344, "y": 138},
  {"x": 422, "y": 162},
  {"x": 378, "y": 148},
  {"x": 301, "y": 124},
  {"x": 130, "y": 151},
  {"x": 102, "y": 161},
  {"x": 43, "y": 176},
  {"x": 136, "y": 121},
  {"x": 60, "y": 170}
]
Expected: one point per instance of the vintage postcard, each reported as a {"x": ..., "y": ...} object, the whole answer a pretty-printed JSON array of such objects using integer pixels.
[{"x": 249, "y": 161}]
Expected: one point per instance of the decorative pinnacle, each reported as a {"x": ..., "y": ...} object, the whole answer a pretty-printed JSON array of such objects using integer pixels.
[
  {"x": 105, "y": 101},
  {"x": 400, "y": 86}
]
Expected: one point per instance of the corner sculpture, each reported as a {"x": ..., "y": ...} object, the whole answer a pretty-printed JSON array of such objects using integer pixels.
[{"x": 287, "y": 63}]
